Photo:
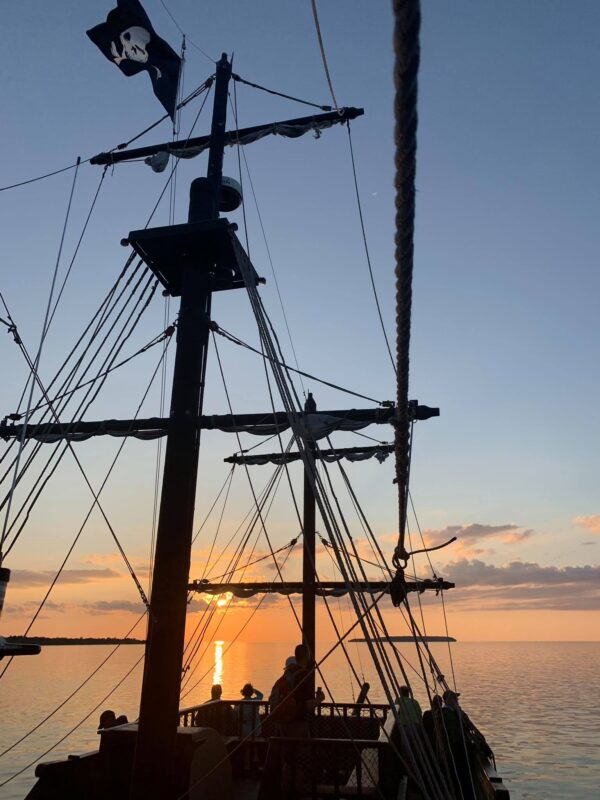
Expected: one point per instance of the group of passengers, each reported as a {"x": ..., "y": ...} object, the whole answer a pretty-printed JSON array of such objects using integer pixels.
[
  {"x": 453, "y": 738},
  {"x": 445, "y": 730},
  {"x": 291, "y": 701}
]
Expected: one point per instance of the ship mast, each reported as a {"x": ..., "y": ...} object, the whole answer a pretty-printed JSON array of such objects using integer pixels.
[
  {"x": 155, "y": 753},
  {"x": 309, "y": 510}
]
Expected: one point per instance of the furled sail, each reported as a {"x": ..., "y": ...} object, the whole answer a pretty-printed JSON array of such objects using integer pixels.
[{"x": 188, "y": 148}]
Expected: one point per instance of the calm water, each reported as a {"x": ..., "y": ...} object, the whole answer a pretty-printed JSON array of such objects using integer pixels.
[{"x": 536, "y": 702}]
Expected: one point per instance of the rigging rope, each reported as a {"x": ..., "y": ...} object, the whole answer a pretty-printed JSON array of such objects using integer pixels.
[
  {"x": 239, "y": 79},
  {"x": 192, "y": 96},
  {"x": 407, "y": 16},
  {"x": 367, "y": 254},
  {"x": 327, "y": 513},
  {"x": 76, "y": 251},
  {"x": 74, "y": 728},
  {"x": 213, "y": 578},
  {"x": 313, "y": 4},
  {"x": 47, "y": 175},
  {"x": 88, "y": 515},
  {"x": 247, "y": 469},
  {"x": 102, "y": 315},
  {"x": 234, "y": 339},
  {"x": 75, "y": 691},
  {"x": 264, "y": 235},
  {"x": 233, "y": 562},
  {"x": 35, "y": 365},
  {"x": 112, "y": 355},
  {"x": 163, "y": 337},
  {"x": 180, "y": 29}
]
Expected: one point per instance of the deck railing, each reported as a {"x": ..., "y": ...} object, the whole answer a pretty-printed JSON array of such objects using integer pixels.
[{"x": 245, "y": 718}]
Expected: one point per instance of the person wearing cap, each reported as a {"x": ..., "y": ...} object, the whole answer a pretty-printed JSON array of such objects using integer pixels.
[{"x": 290, "y": 664}]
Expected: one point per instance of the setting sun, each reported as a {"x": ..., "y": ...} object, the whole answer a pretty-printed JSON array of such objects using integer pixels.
[{"x": 224, "y": 599}]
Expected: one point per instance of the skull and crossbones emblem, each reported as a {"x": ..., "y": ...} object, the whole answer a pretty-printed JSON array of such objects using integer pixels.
[{"x": 133, "y": 41}]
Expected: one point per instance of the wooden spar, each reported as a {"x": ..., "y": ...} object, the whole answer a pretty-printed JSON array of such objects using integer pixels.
[
  {"x": 159, "y": 425},
  {"x": 155, "y": 754},
  {"x": 200, "y": 143},
  {"x": 324, "y": 588},
  {"x": 319, "y": 455},
  {"x": 228, "y": 423}
]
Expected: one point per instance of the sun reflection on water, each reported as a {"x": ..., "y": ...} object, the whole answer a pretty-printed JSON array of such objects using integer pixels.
[{"x": 218, "y": 670}]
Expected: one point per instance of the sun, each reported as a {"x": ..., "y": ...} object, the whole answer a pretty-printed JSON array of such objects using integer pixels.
[{"x": 224, "y": 599}]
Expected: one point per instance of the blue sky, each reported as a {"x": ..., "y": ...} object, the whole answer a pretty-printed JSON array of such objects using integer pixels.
[{"x": 505, "y": 323}]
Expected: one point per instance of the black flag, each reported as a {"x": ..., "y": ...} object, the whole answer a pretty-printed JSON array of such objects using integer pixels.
[{"x": 128, "y": 39}]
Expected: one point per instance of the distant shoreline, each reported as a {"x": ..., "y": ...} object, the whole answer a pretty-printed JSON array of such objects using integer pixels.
[
  {"x": 410, "y": 639},
  {"x": 66, "y": 640}
]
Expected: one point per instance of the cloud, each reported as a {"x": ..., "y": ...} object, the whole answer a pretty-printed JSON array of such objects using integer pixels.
[
  {"x": 472, "y": 536},
  {"x": 197, "y": 605},
  {"x": 478, "y": 573},
  {"x": 112, "y": 606},
  {"x": 521, "y": 585},
  {"x": 28, "y": 608},
  {"x": 26, "y": 578},
  {"x": 590, "y": 523},
  {"x": 469, "y": 533},
  {"x": 130, "y": 606}
]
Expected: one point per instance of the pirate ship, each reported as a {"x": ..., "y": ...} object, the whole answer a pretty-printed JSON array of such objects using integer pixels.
[{"x": 358, "y": 749}]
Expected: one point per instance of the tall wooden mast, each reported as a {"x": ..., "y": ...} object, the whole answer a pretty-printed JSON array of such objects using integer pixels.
[
  {"x": 309, "y": 633},
  {"x": 155, "y": 753}
]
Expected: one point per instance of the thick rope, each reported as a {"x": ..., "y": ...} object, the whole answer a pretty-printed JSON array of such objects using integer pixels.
[
  {"x": 407, "y": 16},
  {"x": 313, "y": 4}
]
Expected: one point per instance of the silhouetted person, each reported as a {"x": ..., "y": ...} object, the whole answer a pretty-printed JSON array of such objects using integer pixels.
[
  {"x": 248, "y": 711},
  {"x": 456, "y": 725},
  {"x": 298, "y": 706},
  {"x": 108, "y": 719},
  {"x": 404, "y": 731},
  {"x": 282, "y": 704},
  {"x": 216, "y": 691},
  {"x": 409, "y": 711},
  {"x": 438, "y": 722},
  {"x": 305, "y": 701}
]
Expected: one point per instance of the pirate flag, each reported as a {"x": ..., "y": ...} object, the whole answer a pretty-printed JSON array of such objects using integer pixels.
[{"x": 128, "y": 39}]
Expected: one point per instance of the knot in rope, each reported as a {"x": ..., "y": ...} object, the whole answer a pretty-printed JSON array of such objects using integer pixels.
[{"x": 400, "y": 557}]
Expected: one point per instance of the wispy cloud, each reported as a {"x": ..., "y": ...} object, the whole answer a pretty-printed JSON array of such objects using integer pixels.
[
  {"x": 474, "y": 538},
  {"x": 112, "y": 606},
  {"x": 590, "y": 523},
  {"x": 521, "y": 585},
  {"x": 27, "y": 608},
  {"x": 27, "y": 578}
]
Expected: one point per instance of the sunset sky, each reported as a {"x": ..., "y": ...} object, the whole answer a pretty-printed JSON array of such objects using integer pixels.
[{"x": 505, "y": 321}]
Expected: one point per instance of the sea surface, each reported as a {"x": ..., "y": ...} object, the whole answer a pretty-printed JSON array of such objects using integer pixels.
[{"x": 537, "y": 703}]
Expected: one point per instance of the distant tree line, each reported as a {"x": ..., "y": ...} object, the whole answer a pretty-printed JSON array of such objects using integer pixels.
[{"x": 51, "y": 640}]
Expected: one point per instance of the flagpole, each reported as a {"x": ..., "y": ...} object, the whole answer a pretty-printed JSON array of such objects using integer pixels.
[{"x": 157, "y": 766}]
